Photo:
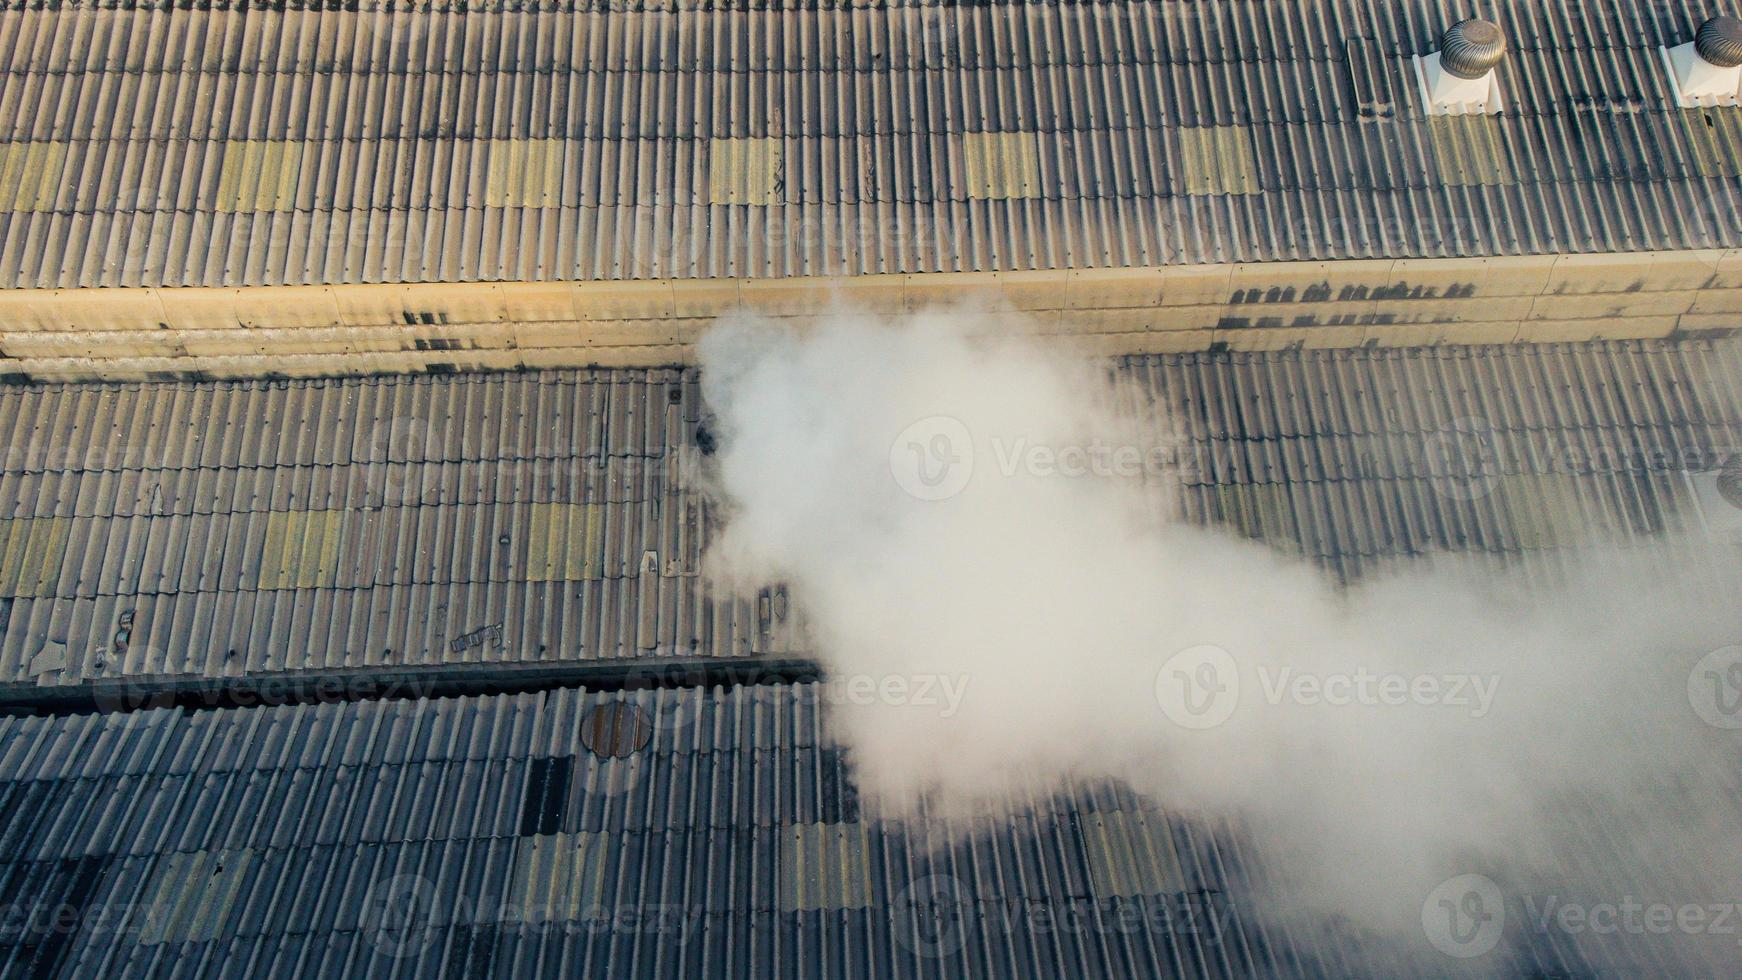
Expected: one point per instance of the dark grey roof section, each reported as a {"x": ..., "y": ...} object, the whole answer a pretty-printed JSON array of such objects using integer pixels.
[
  {"x": 475, "y": 837},
  {"x": 274, "y": 841},
  {"x": 271, "y": 527},
  {"x": 1355, "y": 458},
  {"x": 251, "y": 145},
  {"x": 342, "y": 527}
]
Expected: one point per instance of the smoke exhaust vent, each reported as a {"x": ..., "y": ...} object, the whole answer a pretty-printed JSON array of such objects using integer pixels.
[
  {"x": 1459, "y": 78},
  {"x": 1719, "y": 42},
  {"x": 1472, "y": 48},
  {"x": 1708, "y": 70}
]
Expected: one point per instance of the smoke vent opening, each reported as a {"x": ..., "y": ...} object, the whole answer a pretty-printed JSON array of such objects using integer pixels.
[
  {"x": 1707, "y": 70},
  {"x": 1459, "y": 78}
]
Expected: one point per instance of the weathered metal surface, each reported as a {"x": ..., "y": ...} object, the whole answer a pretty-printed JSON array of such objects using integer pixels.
[
  {"x": 251, "y": 144},
  {"x": 469, "y": 837},
  {"x": 252, "y": 530}
]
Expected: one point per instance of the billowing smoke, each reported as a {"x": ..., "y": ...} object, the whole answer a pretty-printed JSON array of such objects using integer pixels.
[{"x": 991, "y": 521}]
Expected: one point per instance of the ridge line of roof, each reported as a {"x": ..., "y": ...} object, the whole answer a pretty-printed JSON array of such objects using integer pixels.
[{"x": 321, "y": 686}]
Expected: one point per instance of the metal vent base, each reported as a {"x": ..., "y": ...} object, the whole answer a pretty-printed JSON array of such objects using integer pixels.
[
  {"x": 1445, "y": 94},
  {"x": 1698, "y": 82}
]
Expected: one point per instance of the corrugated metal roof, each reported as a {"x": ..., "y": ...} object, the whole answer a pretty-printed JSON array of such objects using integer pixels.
[
  {"x": 479, "y": 836},
  {"x": 1354, "y": 458},
  {"x": 241, "y": 145},
  {"x": 733, "y": 844},
  {"x": 271, "y": 527},
  {"x": 281, "y": 526}
]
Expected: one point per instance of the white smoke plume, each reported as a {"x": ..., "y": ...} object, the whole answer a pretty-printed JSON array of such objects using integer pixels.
[{"x": 984, "y": 516}]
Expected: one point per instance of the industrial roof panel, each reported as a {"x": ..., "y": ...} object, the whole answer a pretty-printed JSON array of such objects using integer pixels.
[
  {"x": 520, "y": 520},
  {"x": 264, "y": 145},
  {"x": 490, "y": 835}
]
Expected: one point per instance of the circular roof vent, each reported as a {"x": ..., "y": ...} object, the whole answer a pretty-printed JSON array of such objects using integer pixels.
[
  {"x": 616, "y": 730},
  {"x": 1730, "y": 482},
  {"x": 1472, "y": 48},
  {"x": 1719, "y": 41}
]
